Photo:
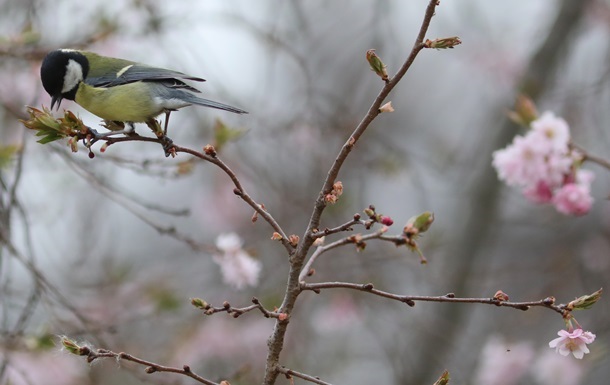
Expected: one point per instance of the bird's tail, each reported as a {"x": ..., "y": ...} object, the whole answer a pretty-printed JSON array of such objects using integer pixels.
[{"x": 190, "y": 98}]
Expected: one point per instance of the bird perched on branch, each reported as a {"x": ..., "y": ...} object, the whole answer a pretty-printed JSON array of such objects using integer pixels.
[{"x": 119, "y": 90}]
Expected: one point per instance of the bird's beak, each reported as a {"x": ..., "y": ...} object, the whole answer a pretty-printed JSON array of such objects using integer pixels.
[{"x": 56, "y": 99}]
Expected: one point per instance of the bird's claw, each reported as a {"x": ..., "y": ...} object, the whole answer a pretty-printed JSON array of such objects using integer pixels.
[{"x": 168, "y": 146}]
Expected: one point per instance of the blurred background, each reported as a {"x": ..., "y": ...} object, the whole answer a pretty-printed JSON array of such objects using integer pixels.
[{"x": 84, "y": 243}]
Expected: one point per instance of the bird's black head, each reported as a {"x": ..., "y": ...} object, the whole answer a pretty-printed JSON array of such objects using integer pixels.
[{"x": 61, "y": 72}]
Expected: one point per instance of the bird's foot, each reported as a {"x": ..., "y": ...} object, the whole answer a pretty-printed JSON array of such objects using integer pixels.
[{"x": 168, "y": 146}]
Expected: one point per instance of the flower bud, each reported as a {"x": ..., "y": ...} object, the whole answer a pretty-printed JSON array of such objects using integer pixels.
[
  {"x": 385, "y": 220},
  {"x": 585, "y": 302},
  {"x": 421, "y": 222},
  {"x": 444, "y": 379},
  {"x": 525, "y": 111},
  {"x": 294, "y": 240},
  {"x": 377, "y": 65},
  {"x": 199, "y": 303},
  {"x": 501, "y": 296},
  {"x": 208, "y": 149},
  {"x": 443, "y": 43}
]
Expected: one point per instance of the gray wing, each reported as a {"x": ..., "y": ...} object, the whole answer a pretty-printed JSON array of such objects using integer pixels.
[{"x": 140, "y": 72}]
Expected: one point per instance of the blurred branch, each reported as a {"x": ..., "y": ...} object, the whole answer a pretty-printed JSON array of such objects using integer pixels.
[
  {"x": 112, "y": 192},
  {"x": 289, "y": 373},
  {"x": 591, "y": 158},
  {"x": 410, "y": 300}
]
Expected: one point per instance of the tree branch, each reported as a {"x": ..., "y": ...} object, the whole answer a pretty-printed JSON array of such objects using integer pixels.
[
  {"x": 151, "y": 367},
  {"x": 289, "y": 373},
  {"x": 276, "y": 340},
  {"x": 410, "y": 300},
  {"x": 589, "y": 157},
  {"x": 341, "y": 242},
  {"x": 237, "y": 311}
]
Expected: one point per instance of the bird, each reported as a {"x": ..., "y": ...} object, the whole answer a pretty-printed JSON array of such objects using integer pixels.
[{"x": 119, "y": 90}]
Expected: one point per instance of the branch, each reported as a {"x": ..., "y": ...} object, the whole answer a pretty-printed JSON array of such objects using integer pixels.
[
  {"x": 240, "y": 191},
  {"x": 276, "y": 340},
  {"x": 89, "y": 137},
  {"x": 235, "y": 311},
  {"x": 306, "y": 271},
  {"x": 289, "y": 373},
  {"x": 591, "y": 158},
  {"x": 348, "y": 226},
  {"x": 151, "y": 367},
  {"x": 410, "y": 300}
]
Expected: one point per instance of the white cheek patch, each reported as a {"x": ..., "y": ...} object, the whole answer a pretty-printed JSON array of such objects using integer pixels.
[{"x": 74, "y": 75}]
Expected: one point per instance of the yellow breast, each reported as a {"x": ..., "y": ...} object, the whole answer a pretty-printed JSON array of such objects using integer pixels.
[{"x": 126, "y": 103}]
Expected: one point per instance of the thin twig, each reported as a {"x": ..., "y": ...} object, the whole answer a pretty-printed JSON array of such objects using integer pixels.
[
  {"x": 341, "y": 242},
  {"x": 128, "y": 204},
  {"x": 450, "y": 298},
  {"x": 348, "y": 226},
  {"x": 289, "y": 373},
  {"x": 237, "y": 311},
  {"x": 239, "y": 189},
  {"x": 241, "y": 192},
  {"x": 151, "y": 367},
  {"x": 591, "y": 158}
]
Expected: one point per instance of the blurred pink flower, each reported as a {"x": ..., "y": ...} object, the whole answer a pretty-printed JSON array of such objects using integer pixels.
[
  {"x": 541, "y": 193},
  {"x": 48, "y": 367},
  {"x": 220, "y": 339},
  {"x": 554, "y": 129},
  {"x": 340, "y": 314},
  {"x": 573, "y": 199},
  {"x": 522, "y": 163},
  {"x": 238, "y": 268},
  {"x": 541, "y": 164},
  {"x": 574, "y": 342},
  {"x": 503, "y": 363},
  {"x": 553, "y": 369}
]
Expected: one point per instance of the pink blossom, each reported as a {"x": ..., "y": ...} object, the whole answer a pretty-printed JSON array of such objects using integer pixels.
[
  {"x": 503, "y": 363},
  {"x": 238, "y": 268},
  {"x": 542, "y": 165},
  {"x": 521, "y": 163},
  {"x": 46, "y": 367},
  {"x": 553, "y": 369},
  {"x": 554, "y": 129},
  {"x": 573, "y": 199},
  {"x": 574, "y": 342},
  {"x": 540, "y": 193}
]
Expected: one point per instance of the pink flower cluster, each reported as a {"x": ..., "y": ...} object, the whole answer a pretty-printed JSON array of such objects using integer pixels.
[{"x": 542, "y": 164}]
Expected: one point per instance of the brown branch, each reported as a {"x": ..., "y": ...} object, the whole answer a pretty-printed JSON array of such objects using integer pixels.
[
  {"x": 237, "y": 311},
  {"x": 410, "y": 300},
  {"x": 289, "y": 373},
  {"x": 342, "y": 242},
  {"x": 151, "y": 367},
  {"x": 348, "y": 226},
  {"x": 212, "y": 157},
  {"x": 276, "y": 340},
  {"x": 241, "y": 192},
  {"x": 589, "y": 157}
]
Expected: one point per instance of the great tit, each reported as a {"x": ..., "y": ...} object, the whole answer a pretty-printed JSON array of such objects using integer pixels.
[{"x": 119, "y": 90}]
